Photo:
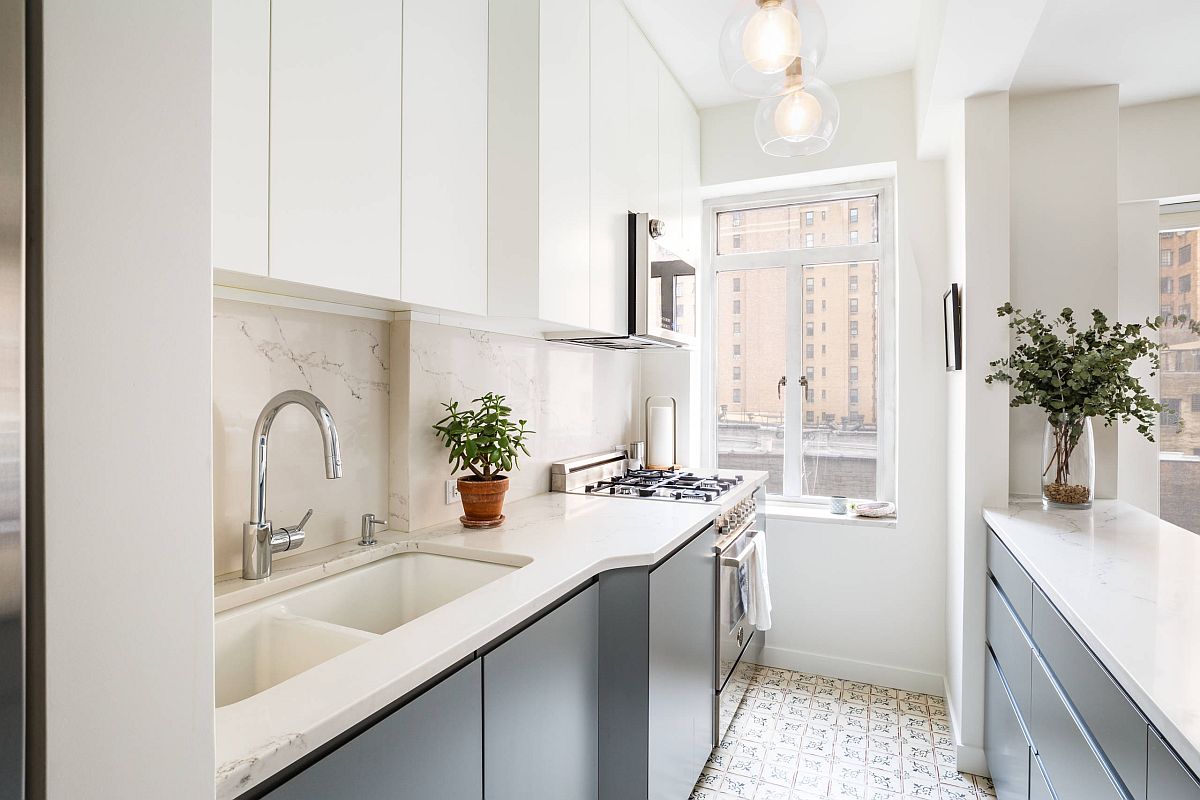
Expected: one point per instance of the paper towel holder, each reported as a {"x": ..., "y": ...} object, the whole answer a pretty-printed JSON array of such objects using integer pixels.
[{"x": 674, "y": 431}]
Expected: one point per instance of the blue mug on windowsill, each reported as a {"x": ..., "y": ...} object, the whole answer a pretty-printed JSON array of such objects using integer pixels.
[{"x": 837, "y": 504}]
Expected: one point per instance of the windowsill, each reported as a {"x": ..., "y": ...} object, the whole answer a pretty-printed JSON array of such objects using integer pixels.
[{"x": 801, "y": 512}]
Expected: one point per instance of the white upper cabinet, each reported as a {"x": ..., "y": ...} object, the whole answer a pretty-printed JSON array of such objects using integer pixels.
[
  {"x": 690, "y": 148},
  {"x": 643, "y": 124},
  {"x": 539, "y": 173},
  {"x": 610, "y": 167},
  {"x": 335, "y": 144},
  {"x": 671, "y": 102},
  {"x": 241, "y": 80},
  {"x": 444, "y": 205}
]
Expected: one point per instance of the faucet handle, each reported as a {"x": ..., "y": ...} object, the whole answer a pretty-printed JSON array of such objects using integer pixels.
[
  {"x": 290, "y": 537},
  {"x": 307, "y": 516}
]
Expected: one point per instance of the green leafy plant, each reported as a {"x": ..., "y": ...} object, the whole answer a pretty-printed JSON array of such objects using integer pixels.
[
  {"x": 484, "y": 439},
  {"x": 1075, "y": 372}
]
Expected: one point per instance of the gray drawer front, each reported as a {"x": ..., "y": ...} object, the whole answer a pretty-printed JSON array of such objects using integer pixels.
[
  {"x": 1168, "y": 778},
  {"x": 1004, "y": 740},
  {"x": 1116, "y": 724},
  {"x": 1074, "y": 770},
  {"x": 1012, "y": 649},
  {"x": 1013, "y": 580},
  {"x": 1039, "y": 785}
]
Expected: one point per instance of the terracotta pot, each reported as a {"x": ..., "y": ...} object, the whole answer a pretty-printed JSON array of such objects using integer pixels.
[{"x": 483, "y": 501}]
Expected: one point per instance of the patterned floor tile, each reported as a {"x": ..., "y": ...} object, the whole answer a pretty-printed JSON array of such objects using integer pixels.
[{"x": 799, "y": 736}]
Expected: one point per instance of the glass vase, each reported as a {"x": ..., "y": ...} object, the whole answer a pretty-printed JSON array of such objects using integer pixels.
[{"x": 1068, "y": 464}]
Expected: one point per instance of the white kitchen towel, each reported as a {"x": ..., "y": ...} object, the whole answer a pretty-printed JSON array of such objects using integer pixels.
[{"x": 759, "y": 608}]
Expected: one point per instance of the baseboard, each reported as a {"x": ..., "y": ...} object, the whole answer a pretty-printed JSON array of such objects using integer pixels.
[
  {"x": 850, "y": 669},
  {"x": 970, "y": 758}
]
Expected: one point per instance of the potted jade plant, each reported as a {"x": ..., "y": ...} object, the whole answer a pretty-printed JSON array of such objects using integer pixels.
[
  {"x": 486, "y": 441},
  {"x": 1075, "y": 372}
]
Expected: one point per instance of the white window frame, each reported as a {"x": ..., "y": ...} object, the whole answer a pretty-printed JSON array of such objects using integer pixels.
[{"x": 882, "y": 251}]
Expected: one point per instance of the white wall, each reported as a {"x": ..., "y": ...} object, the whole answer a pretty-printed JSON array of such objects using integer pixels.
[
  {"x": 128, "y": 327},
  {"x": 1064, "y": 150},
  {"x": 1159, "y": 156},
  {"x": 861, "y": 600},
  {"x": 977, "y": 203}
]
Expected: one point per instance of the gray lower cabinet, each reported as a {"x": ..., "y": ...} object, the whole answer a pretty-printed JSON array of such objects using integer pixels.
[
  {"x": 1039, "y": 785},
  {"x": 540, "y": 707},
  {"x": 430, "y": 749},
  {"x": 1004, "y": 740},
  {"x": 1167, "y": 777},
  {"x": 682, "y": 664}
]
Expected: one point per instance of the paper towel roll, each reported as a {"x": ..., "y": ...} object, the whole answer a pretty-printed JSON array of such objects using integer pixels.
[{"x": 660, "y": 445}]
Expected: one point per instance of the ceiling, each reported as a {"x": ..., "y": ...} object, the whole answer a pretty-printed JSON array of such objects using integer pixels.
[
  {"x": 1151, "y": 48},
  {"x": 866, "y": 38}
]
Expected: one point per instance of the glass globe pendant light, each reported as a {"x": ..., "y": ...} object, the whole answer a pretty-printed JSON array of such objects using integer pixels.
[
  {"x": 762, "y": 38},
  {"x": 799, "y": 122}
]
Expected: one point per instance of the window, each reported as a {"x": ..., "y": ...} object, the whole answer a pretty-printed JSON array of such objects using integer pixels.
[
  {"x": 737, "y": 373},
  {"x": 737, "y": 328},
  {"x": 737, "y": 284},
  {"x": 836, "y": 436},
  {"x": 1178, "y": 432},
  {"x": 737, "y": 395},
  {"x": 736, "y": 219},
  {"x": 737, "y": 350},
  {"x": 737, "y": 241},
  {"x": 737, "y": 306}
]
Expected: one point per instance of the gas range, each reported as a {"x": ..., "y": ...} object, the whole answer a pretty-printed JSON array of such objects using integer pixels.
[{"x": 609, "y": 474}]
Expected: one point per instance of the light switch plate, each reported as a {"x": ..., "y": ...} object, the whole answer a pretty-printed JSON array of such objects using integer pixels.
[{"x": 452, "y": 495}]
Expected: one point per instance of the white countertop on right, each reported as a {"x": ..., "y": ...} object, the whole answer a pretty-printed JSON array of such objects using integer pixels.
[{"x": 1129, "y": 583}]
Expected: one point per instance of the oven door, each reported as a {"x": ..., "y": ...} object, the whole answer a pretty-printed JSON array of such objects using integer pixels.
[{"x": 734, "y": 632}]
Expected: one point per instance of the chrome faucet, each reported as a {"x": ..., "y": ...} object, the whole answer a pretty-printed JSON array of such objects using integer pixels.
[{"x": 259, "y": 538}]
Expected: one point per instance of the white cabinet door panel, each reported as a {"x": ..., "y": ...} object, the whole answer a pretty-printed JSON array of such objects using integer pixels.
[
  {"x": 335, "y": 144},
  {"x": 690, "y": 150},
  {"x": 671, "y": 101},
  {"x": 241, "y": 80},
  {"x": 609, "y": 166},
  {"x": 565, "y": 174},
  {"x": 444, "y": 208},
  {"x": 643, "y": 123}
]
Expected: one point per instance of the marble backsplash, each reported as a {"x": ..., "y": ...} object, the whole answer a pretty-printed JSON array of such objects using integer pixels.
[
  {"x": 384, "y": 383},
  {"x": 261, "y": 350},
  {"x": 578, "y": 400}
]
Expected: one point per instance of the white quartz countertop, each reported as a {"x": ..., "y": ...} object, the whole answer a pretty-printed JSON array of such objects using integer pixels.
[
  {"x": 569, "y": 539},
  {"x": 1129, "y": 583}
]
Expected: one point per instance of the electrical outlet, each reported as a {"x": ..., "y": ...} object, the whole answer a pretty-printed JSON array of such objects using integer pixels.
[{"x": 452, "y": 495}]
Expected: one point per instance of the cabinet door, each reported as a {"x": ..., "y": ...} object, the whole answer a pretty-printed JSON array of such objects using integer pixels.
[
  {"x": 690, "y": 165},
  {"x": 1004, "y": 741},
  {"x": 1168, "y": 778},
  {"x": 671, "y": 101},
  {"x": 643, "y": 124},
  {"x": 540, "y": 707},
  {"x": 335, "y": 144},
  {"x": 610, "y": 166},
  {"x": 431, "y": 749},
  {"x": 444, "y": 155},
  {"x": 683, "y": 644},
  {"x": 241, "y": 79},
  {"x": 564, "y": 173}
]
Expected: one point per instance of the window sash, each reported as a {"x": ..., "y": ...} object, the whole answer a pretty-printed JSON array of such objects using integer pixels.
[{"x": 882, "y": 252}]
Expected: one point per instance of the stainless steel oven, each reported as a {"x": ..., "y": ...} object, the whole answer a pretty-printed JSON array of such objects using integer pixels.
[{"x": 738, "y": 643}]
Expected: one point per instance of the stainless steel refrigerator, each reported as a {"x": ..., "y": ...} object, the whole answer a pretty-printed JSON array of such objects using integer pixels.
[{"x": 12, "y": 396}]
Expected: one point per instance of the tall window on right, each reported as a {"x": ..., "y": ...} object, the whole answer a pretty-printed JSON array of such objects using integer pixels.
[
  {"x": 1179, "y": 381},
  {"x": 802, "y": 336}
]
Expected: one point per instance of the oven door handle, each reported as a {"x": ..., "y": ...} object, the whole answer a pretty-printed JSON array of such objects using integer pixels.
[{"x": 740, "y": 558}]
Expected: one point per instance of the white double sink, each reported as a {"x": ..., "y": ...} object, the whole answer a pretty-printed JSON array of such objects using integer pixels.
[{"x": 264, "y": 643}]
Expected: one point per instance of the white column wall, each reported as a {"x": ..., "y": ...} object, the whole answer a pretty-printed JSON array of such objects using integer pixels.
[{"x": 128, "y": 417}]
